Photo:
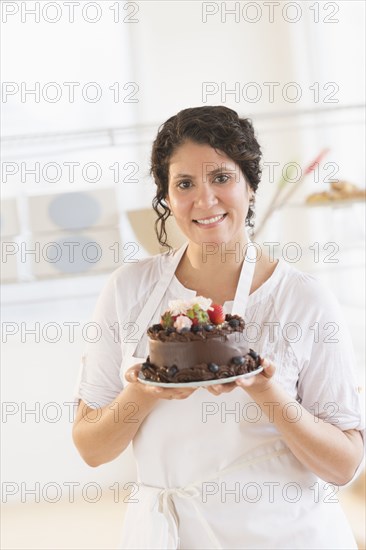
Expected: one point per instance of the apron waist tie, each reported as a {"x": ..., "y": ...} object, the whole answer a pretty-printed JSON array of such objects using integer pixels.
[{"x": 166, "y": 507}]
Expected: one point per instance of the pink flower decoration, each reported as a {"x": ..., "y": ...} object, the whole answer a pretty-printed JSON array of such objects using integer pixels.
[{"x": 182, "y": 322}]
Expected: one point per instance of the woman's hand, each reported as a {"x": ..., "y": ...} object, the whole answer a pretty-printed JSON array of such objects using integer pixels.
[
  {"x": 153, "y": 391},
  {"x": 255, "y": 384}
]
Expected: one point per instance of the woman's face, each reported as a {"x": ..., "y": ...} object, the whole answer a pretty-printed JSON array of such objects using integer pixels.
[{"x": 208, "y": 195}]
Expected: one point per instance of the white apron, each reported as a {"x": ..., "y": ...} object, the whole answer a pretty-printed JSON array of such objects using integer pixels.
[{"x": 213, "y": 472}]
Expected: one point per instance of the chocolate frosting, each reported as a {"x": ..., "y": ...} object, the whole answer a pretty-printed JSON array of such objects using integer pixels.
[{"x": 188, "y": 354}]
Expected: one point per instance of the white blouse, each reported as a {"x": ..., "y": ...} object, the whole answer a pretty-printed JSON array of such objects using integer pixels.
[
  {"x": 213, "y": 471},
  {"x": 292, "y": 319}
]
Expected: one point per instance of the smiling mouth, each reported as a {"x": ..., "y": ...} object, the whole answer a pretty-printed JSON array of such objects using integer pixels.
[{"x": 214, "y": 219}]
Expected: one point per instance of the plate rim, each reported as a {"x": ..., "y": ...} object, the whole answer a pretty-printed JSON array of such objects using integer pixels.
[{"x": 199, "y": 384}]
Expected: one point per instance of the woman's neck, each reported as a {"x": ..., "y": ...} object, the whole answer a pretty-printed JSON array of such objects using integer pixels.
[
  {"x": 211, "y": 256},
  {"x": 212, "y": 270},
  {"x": 205, "y": 268}
]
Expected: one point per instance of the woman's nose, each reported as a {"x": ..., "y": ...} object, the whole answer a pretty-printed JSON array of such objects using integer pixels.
[{"x": 205, "y": 196}]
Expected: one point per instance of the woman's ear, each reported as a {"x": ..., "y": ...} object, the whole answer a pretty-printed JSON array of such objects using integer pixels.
[{"x": 251, "y": 194}]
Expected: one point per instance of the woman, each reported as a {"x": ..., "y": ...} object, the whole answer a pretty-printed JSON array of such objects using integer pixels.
[{"x": 256, "y": 464}]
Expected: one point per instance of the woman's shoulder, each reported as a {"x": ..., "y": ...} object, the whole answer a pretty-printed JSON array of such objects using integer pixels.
[{"x": 302, "y": 291}]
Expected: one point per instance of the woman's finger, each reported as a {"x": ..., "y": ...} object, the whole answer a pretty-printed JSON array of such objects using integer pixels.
[
  {"x": 166, "y": 393},
  {"x": 213, "y": 390},
  {"x": 132, "y": 372},
  {"x": 268, "y": 368},
  {"x": 259, "y": 381},
  {"x": 217, "y": 389}
]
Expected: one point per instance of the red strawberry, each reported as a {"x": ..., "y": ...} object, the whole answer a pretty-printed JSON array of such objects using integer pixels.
[{"x": 216, "y": 314}]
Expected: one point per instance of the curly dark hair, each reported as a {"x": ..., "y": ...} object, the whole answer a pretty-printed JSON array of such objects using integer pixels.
[{"x": 217, "y": 126}]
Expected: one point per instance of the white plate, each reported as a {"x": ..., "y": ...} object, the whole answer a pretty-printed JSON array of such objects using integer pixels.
[{"x": 197, "y": 384}]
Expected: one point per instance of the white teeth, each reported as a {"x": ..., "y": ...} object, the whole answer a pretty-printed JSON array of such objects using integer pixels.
[{"x": 210, "y": 220}]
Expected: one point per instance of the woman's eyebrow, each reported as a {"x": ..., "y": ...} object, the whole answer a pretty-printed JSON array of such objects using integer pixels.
[
  {"x": 182, "y": 176},
  {"x": 218, "y": 170}
]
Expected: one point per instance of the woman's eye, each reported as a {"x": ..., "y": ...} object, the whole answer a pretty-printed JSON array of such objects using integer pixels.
[
  {"x": 222, "y": 178},
  {"x": 186, "y": 184}
]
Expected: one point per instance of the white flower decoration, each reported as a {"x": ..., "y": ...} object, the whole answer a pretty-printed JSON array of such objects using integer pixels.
[
  {"x": 204, "y": 303},
  {"x": 180, "y": 307},
  {"x": 177, "y": 307},
  {"x": 182, "y": 322}
]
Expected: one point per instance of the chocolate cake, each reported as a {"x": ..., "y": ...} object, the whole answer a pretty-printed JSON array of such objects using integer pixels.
[{"x": 196, "y": 341}]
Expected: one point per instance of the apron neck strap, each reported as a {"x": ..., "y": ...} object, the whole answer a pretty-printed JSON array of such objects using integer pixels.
[
  {"x": 147, "y": 312},
  {"x": 245, "y": 280}
]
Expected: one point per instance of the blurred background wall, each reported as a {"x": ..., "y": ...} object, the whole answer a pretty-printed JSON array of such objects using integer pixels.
[{"x": 85, "y": 86}]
